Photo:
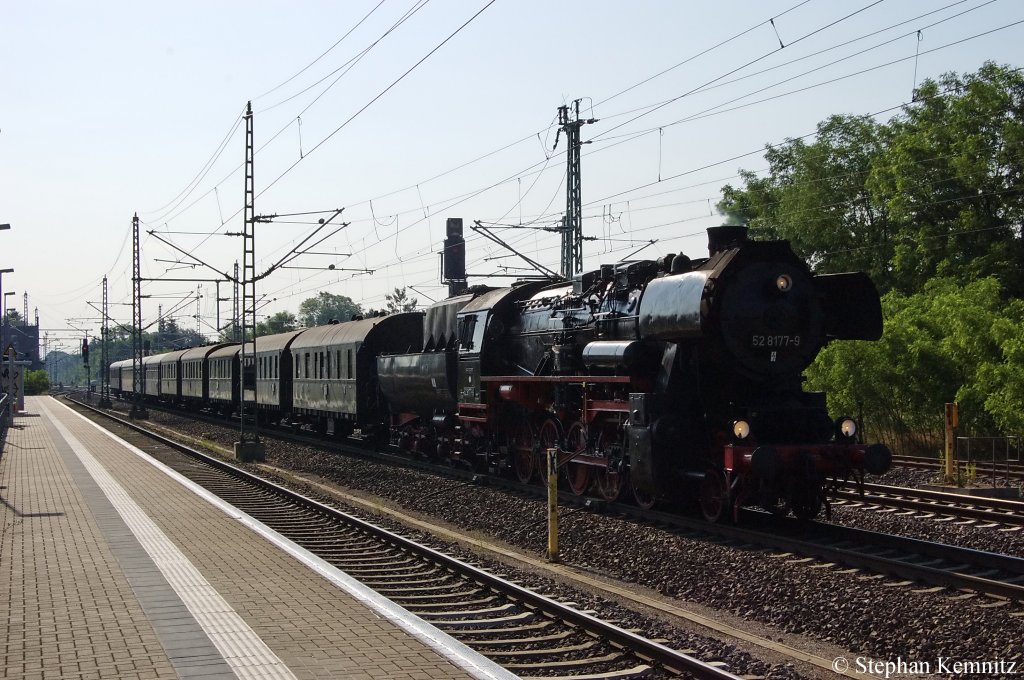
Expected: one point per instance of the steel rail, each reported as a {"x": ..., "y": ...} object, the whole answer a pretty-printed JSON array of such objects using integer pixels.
[
  {"x": 1000, "y": 510},
  {"x": 811, "y": 539}
]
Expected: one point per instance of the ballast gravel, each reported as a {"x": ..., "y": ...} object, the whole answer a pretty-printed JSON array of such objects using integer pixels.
[{"x": 870, "y": 616}]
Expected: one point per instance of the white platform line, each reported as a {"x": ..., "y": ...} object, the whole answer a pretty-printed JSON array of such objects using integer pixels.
[
  {"x": 466, "y": 658},
  {"x": 241, "y": 647}
]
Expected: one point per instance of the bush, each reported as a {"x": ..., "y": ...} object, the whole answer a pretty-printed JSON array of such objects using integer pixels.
[{"x": 36, "y": 382}]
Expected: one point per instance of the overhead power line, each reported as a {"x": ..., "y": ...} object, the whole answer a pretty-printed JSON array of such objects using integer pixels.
[
  {"x": 322, "y": 54},
  {"x": 378, "y": 96}
]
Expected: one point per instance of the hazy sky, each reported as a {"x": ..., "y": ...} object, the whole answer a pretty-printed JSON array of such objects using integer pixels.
[{"x": 113, "y": 108}]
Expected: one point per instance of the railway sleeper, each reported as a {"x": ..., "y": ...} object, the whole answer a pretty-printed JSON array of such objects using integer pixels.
[
  {"x": 380, "y": 559},
  {"x": 343, "y": 545},
  {"x": 455, "y": 627},
  {"x": 501, "y": 608},
  {"x": 541, "y": 652},
  {"x": 582, "y": 664},
  {"x": 505, "y": 642},
  {"x": 641, "y": 671},
  {"x": 414, "y": 585},
  {"x": 468, "y": 636},
  {"x": 426, "y": 598},
  {"x": 420, "y": 606},
  {"x": 330, "y": 552},
  {"x": 376, "y": 567}
]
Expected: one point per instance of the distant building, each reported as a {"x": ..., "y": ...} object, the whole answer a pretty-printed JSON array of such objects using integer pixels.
[{"x": 25, "y": 340}]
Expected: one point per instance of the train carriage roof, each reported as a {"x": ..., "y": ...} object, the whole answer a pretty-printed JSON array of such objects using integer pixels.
[
  {"x": 277, "y": 342},
  {"x": 229, "y": 350},
  {"x": 202, "y": 352},
  {"x": 152, "y": 359},
  {"x": 383, "y": 330},
  {"x": 169, "y": 357}
]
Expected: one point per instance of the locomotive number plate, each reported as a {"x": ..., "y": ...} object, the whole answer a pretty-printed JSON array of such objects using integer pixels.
[{"x": 775, "y": 341}]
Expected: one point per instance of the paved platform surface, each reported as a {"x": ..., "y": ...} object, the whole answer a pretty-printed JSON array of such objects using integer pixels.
[{"x": 111, "y": 567}]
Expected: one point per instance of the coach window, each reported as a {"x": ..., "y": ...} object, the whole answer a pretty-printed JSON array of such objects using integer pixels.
[
  {"x": 305, "y": 368},
  {"x": 329, "y": 376},
  {"x": 348, "y": 359},
  {"x": 337, "y": 356}
]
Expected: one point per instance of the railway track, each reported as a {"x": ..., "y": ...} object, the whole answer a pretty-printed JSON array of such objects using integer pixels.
[
  {"x": 527, "y": 633},
  {"x": 935, "y": 565},
  {"x": 939, "y": 503},
  {"x": 1001, "y": 470}
]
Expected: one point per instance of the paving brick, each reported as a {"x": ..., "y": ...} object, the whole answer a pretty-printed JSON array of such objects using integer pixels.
[{"x": 74, "y": 601}]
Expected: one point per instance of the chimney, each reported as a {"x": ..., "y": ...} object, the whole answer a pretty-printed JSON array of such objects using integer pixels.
[{"x": 725, "y": 237}]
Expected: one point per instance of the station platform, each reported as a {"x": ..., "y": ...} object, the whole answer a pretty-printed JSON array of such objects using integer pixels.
[{"x": 113, "y": 566}]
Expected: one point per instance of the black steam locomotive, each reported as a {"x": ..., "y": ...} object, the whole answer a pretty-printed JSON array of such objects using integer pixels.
[{"x": 670, "y": 379}]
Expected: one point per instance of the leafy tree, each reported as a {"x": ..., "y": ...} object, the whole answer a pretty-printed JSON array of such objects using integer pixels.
[
  {"x": 281, "y": 322},
  {"x": 326, "y": 307},
  {"x": 36, "y": 382},
  {"x": 227, "y": 334},
  {"x": 952, "y": 175},
  {"x": 937, "y": 191},
  {"x": 169, "y": 336},
  {"x": 947, "y": 343},
  {"x": 398, "y": 301},
  {"x": 816, "y": 196}
]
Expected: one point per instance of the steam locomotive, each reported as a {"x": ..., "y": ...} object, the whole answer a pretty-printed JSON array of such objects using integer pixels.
[{"x": 669, "y": 379}]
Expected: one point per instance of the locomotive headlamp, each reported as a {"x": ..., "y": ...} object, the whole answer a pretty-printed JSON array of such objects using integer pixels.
[
  {"x": 784, "y": 283},
  {"x": 846, "y": 427},
  {"x": 740, "y": 429}
]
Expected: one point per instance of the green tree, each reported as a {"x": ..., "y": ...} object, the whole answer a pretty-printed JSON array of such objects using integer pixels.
[
  {"x": 227, "y": 333},
  {"x": 816, "y": 196},
  {"x": 947, "y": 343},
  {"x": 170, "y": 336},
  {"x": 937, "y": 191},
  {"x": 952, "y": 177},
  {"x": 399, "y": 301},
  {"x": 36, "y": 382},
  {"x": 326, "y": 307},
  {"x": 281, "y": 322}
]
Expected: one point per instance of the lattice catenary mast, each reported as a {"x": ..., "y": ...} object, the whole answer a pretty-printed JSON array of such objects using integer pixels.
[
  {"x": 138, "y": 379},
  {"x": 248, "y": 447},
  {"x": 572, "y": 223}
]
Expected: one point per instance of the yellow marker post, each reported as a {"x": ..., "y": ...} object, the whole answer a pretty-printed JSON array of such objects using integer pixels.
[
  {"x": 552, "y": 505},
  {"x": 952, "y": 417}
]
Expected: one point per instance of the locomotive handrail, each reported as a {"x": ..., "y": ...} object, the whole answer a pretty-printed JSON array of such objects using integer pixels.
[{"x": 557, "y": 378}]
